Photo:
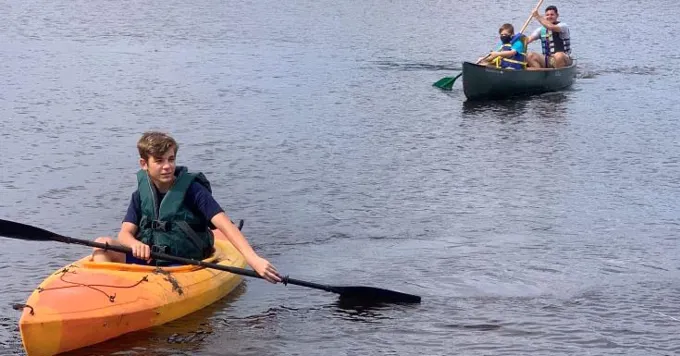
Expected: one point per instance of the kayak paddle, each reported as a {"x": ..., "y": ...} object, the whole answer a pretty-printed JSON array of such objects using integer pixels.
[{"x": 21, "y": 231}]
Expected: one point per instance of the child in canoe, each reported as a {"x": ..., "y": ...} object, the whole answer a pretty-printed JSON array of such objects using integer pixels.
[
  {"x": 173, "y": 211},
  {"x": 511, "y": 52}
]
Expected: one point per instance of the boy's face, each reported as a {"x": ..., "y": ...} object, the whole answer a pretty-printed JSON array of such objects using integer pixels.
[{"x": 160, "y": 169}]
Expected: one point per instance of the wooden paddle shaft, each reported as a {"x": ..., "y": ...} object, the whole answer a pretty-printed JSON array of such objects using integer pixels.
[
  {"x": 526, "y": 23},
  {"x": 524, "y": 27}
]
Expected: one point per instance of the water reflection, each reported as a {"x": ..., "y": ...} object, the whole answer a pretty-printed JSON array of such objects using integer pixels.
[
  {"x": 553, "y": 105},
  {"x": 366, "y": 311},
  {"x": 504, "y": 108},
  {"x": 475, "y": 327},
  {"x": 515, "y": 196}
]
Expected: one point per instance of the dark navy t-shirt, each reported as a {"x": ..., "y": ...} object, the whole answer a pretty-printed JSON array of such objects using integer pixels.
[{"x": 197, "y": 198}]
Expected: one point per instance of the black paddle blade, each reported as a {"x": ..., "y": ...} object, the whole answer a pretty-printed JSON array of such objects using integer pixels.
[
  {"x": 374, "y": 295},
  {"x": 26, "y": 232}
]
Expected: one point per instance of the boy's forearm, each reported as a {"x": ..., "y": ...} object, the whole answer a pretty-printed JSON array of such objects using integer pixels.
[
  {"x": 234, "y": 235},
  {"x": 126, "y": 238}
]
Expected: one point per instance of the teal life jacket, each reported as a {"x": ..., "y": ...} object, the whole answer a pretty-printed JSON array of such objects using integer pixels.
[
  {"x": 169, "y": 226},
  {"x": 552, "y": 42}
]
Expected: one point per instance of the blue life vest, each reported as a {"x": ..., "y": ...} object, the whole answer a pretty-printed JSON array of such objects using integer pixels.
[{"x": 518, "y": 61}]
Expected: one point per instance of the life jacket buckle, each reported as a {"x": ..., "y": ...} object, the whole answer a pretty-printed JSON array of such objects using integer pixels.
[
  {"x": 159, "y": 225},
  {"x": 161, "y": 249}
]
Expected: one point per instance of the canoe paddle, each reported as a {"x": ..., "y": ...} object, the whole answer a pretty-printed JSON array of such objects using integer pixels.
[
  {"x": 21, "y": 231},
  {"x": 446, "y": 83}
]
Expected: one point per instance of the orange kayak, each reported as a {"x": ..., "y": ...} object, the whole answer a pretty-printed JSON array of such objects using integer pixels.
[{"x": 85, "y": 303}]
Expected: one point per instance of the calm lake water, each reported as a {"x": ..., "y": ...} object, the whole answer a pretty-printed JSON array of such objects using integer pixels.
[{"x": 546, "y": 225}]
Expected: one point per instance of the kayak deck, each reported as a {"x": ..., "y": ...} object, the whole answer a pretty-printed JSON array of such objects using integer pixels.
[{"x": 85, "y": 303}]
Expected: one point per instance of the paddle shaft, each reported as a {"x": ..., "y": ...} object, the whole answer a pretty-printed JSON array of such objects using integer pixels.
[
  {"x": 188, "y": 261},
  {"x": 31, "y": 233},
  {"x": 478, "y": 61},
  {"x": 526, "y": 23},
  {"x": 524, "y": 27}
]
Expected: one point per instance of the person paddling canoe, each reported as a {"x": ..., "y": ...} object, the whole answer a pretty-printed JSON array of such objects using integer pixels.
[
  {"x": 173, "y": 211},
  {"x": 511, "y": 50},
  {"x": 555, "y": 41}
]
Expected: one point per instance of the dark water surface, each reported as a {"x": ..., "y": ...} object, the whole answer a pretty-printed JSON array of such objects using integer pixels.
[{"x": 543, "y": 226}]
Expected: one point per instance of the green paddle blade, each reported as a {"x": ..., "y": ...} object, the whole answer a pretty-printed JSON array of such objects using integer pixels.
[{"x": 446, "y": 83}]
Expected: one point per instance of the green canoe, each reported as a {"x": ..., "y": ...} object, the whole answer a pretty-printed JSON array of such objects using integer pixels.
[{"x": 486, "y": 83}]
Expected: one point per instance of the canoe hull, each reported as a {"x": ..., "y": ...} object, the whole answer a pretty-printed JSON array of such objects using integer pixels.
[
  {"x": 85, "y": 303},
  {"x": 485, "y": 83}
]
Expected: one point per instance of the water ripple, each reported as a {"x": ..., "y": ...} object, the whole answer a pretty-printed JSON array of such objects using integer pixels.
[{"x": 544, "y": 225}]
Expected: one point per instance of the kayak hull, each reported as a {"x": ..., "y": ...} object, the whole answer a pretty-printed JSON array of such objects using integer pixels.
[
  {"x": 85, "y": 302},
  {"x": 488, "y": 83}
]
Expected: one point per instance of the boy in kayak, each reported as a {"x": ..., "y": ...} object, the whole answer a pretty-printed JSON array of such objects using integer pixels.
[
  {"x": 511, "y": 50},
  {"x": 173, "y": 212}
]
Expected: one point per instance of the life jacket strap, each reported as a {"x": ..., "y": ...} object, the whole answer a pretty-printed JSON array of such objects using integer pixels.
[
  {"x": 195, "y": 239},
  {"x": 158, "y": 225}
]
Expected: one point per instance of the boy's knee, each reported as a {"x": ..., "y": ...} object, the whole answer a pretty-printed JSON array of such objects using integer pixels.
[{"x": 106, "y": 255}]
